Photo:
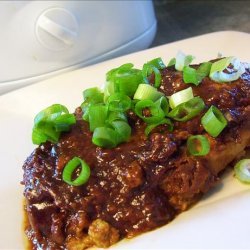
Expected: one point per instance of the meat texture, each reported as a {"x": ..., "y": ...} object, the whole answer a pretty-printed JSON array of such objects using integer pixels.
[{"x": 137, "y": 186}]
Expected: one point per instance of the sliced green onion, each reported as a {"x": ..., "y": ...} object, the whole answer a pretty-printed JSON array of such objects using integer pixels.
[
  {"x": 182, "y": 60},
  {"x": 50, "y": 113},
  {"x": 214, "y": 121},
  {"x": 116, "y": 116},
  {"x": 217, "y": 70},
  {"x": 156, "y": 113},
  {"x": 71, "y": 167},
  {"x": 162, "y": 103},
  {"x": 123, "y": 129},
  {"x": 97, "y": 116},
  {"x": 111, "y": 135},
  {"x": 172, "y": 62},
  {"x": 198, "y": 145},
  {"x": 220, "y": 65},
  {"x": 63, "y": 122},
  {"x": 124, "y": 79},
  {"x": 50, "y": 122},
  {"x": 120, "y": 70},
  {"x": 186, "y": 111},
  {"x": 38, "y": 136},
  {"x": 118, "y": 102},
  {"x": 146, "y": 91},
  {"x": 50, "y": 132},
  {"x": 105, "y": 137},
  {"x": 133, "y": 103},
  {"x": 109, "y": 89},
  {"x": 44, "y": 132},
  {"x": 85, "y": 110},
  {"x": 191, "y": 75},
  {"x": 242, "y": 171},
  {"x": 93, "y": 95},
  {"x": 158, "y": 63},
  {"x": 180, "y": 97},
  {"x": 128, "y": 84},
  {"x": 204, "y": 69},
  {"x": 150, "y": 127},
  {"x": 147, "y": 70}
]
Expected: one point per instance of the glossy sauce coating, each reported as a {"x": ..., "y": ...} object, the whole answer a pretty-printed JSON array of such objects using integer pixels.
[{"x": 135, "y": 187}]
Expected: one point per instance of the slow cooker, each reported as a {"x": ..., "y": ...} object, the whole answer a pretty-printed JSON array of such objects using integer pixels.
[{"x": 42, "y": 38}]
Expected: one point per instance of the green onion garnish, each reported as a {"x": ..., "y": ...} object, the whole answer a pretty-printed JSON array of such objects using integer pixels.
[
  {"x": 93, "y": 95},
  {"x": 182, "y": 60},
  {"x": 71, "y": 167},
  {"x": 162, "y": 103},
  {"x": 150, "y": 127},
  {"x": 105, "y": 137},
  {"x": 214, "y": 121},
  {"x": 204, "y": 69},
  {"x": 123, "y": 130},
  {"x": 217, "y": 70},
  {"x": 124, "y": 79},
  {"x": 50, "y": 113},
  {"x": 116, "y": 116},
  {"x": 85, "y": 109},
  {"x": 63, "y": 122},
  {"x": 171, "y": 62},
  {"x": 118, "y": 102},
  {"x": 112, "y": 134},
  {"x": 43, "y": 133},
  {"x": 198, "y": 145},
  {"x": 109, "y": 89},
  {"x": 146, "y": 91},
  {"x": 50, "y": 122},
  {"x": 187, "y": 110},
  {"x": 158, "y": 63},
  {"x": 155, "y": 113},
  {"x": 242, "y": 171},
  {"x": 180, "y": 97},
  {"x": 97, "y": 116},
  {"x": 128, "y": 88},
  {"x": 191, "y": 75},
  {"x": 147, "y": 70}
]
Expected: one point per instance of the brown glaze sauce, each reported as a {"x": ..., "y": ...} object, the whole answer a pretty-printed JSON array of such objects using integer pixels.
[{"x": 135, "y": 187}]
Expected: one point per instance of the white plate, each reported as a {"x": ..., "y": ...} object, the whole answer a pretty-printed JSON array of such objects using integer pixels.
[{"x": 220, "y": 220}]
